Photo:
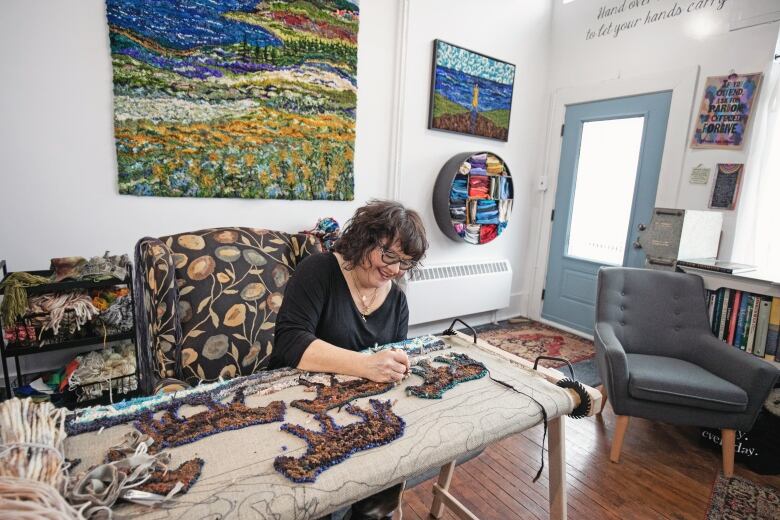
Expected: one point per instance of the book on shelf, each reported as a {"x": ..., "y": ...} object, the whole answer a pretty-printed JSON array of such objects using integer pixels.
[
  {"x": 747, "y": 321},
  {"x": 770, "y": 350},
  {"x": 752, "y": 322},
  {"x": 733, "y": 317},
  {"x": 762, "y": 327},
  {"x": 719, "y": 266},
  {"x": 742, "y": 317},
  {"x": 725, "y": 314}
]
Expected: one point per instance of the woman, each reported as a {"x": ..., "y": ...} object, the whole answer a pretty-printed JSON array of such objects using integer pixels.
[{"x": 339, "y": 303}]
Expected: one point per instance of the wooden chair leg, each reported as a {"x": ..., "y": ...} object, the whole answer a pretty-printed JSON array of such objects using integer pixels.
[
  {"x": 727, "y": 438},
  {"x": 621, "y": 425},
  {"x": 603, "y": 390}
]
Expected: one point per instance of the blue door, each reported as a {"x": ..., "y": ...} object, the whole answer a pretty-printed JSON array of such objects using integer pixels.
[{"x": 608, "y": 177}]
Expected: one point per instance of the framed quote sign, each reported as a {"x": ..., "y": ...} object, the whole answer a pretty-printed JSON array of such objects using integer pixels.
[{"x": 725, "y": 111}]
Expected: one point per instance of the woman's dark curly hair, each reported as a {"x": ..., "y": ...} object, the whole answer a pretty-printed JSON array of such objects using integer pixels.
[{"x": 381, "y": 223}]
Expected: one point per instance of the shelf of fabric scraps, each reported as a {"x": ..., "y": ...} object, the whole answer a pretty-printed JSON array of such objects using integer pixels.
[
  {"x": 69, "y": 285},
  {"x": 25, "y": 350}
]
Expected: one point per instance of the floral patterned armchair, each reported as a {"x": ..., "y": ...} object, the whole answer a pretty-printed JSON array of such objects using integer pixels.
[{"x": 206, "y": 302}]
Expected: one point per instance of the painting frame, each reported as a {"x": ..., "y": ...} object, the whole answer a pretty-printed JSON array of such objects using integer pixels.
[
  {"x": 235, "y": 98},
  {"x": 433, "y": 124},
  {"x": 711, "y": 98}
]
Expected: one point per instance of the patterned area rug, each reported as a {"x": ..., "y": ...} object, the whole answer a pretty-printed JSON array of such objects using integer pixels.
[
  {"x": 737, "y": 498},
  {"x": 528, "y": 339}
]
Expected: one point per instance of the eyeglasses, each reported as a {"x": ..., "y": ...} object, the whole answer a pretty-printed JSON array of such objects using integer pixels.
[{"x": 390, "y": 258}]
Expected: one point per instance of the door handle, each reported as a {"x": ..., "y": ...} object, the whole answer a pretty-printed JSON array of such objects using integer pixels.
[
  {"x": 637, "y": 245},
  {"x": 641, "y": 227}
]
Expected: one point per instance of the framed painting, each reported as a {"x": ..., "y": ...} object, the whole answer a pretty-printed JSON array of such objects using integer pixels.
[
  {"x": 470, "y": 93},
  {"x": 235, "y": 98}
]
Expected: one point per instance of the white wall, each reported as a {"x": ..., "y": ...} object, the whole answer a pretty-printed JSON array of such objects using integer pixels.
[
  {"x": 59, "y": 175},
  {"x": 689, "y": 39},
  {"x": 519, "y": 32},
  {"x": 59, "y": 187}
]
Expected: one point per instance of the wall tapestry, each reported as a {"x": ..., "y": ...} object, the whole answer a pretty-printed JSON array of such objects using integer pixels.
[
  {"x": 470, "y": 93},
  {"x": 235, "y": 98},
  {"x": 725, "y": 110}
]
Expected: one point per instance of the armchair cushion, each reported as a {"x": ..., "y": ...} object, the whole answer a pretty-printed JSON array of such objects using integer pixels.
[{"x": 674, "y": 381}]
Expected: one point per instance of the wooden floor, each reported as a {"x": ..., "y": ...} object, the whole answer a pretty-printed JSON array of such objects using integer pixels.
[{"x": 663, "y": 473}]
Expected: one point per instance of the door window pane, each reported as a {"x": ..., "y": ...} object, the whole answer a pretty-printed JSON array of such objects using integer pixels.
[{"x": 604, "y": 189}]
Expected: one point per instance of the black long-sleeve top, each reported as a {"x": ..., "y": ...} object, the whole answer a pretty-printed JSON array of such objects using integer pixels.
[{"x": 318, "y": 305}]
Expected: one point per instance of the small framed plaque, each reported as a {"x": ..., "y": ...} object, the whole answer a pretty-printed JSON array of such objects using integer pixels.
[{"x": 725, "y": 189}]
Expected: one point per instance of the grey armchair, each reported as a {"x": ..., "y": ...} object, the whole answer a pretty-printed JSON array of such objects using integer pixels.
[{"x": 659, "y": 359}]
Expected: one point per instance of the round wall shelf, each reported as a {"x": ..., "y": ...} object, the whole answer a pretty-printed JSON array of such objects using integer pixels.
[{"x": 472, "y": 198}]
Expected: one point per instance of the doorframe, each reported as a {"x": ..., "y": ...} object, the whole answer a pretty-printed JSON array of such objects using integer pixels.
[{"x": 682, "y": 83}]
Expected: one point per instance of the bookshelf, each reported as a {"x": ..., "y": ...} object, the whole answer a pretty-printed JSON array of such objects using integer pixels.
[
  {"x": 756, "y": 282},
  {"x": 753, "y": 282}
]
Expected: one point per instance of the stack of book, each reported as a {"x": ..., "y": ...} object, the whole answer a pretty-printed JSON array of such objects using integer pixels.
[
  {"x": 715, "y": 265},
  {"x": 745, "y": 320}
]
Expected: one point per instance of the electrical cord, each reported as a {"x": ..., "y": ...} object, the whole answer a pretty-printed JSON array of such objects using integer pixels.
[{"x": 544, "y": 416}]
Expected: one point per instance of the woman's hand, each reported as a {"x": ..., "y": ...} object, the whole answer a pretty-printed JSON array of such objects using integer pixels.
[{"x": 386, "y": 366}]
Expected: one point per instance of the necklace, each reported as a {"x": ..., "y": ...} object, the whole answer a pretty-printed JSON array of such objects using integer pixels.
[{"x": 366, "y": 307}]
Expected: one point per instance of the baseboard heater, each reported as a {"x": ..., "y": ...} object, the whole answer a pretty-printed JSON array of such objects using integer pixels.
[{"x": 437, "y": 292}]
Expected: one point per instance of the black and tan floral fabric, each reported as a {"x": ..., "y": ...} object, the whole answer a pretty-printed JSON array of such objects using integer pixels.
[
  {"x": 228, "y": 285},
  {"x": 157, "y": 329}
]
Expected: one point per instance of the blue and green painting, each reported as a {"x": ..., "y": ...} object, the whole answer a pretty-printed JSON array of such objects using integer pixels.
[
  {"x": 235, "y": 98},
  {"x": 472, "y": 93}
]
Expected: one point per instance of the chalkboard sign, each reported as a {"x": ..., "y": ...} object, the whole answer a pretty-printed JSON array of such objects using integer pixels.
[{"x": 725, "y": 189}]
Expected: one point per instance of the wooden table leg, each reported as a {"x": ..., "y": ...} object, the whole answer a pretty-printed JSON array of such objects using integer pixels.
[
  {"x": 445, "y": 477},
  {"x": 557, "y": 463}
]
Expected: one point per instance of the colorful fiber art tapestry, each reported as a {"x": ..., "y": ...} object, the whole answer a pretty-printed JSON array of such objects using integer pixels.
[
  {"x": 334, "y": 443},
  {"x": 470, "y": 93},
  {"x": 235, "y": 98},
  {"x": 725, "y": 111},
  {"x": 458, "y": 368}
]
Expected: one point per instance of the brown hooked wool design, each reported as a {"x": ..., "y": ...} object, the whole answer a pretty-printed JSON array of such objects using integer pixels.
[
  {"x": 338, "y": 393},
  {"x": 162, "y": 482},
  {"x": 459, "y": 368},
  {"x": 334, "y": 443},
  {"x": 171, "y": 430}
]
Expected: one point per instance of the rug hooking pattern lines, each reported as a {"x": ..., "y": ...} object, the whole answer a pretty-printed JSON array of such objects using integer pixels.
[
  {"x": 171, "y": 430},
  {"x": 334, "y": 444},
  {"x": 338, "y": 393},
  {"x": 458, "y": 368}
]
